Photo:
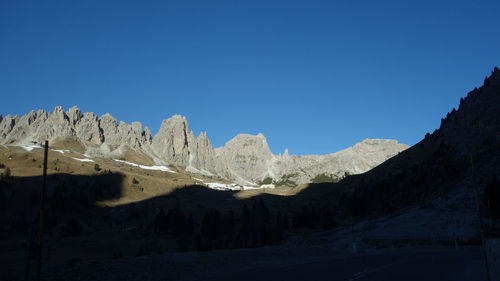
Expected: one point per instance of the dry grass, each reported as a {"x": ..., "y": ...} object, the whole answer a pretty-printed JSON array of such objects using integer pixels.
[
  {"x": 69, "y": 144},
  {"x": 150, "y": 184}
]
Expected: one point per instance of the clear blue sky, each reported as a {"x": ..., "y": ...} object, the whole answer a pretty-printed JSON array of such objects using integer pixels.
[{"x": 313, "y": 76}]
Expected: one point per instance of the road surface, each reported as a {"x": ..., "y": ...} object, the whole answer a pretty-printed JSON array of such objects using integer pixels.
[{"x": 439, "y": 264}]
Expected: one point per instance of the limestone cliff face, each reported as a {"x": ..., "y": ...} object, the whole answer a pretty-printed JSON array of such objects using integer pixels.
[
  {"x": 87, "y": 127},
  {"x": 357, "y": 159},
  {"x": 176, "y": 144},
  {"x": 202, "y": 158},
  {"x": 173, "y": 141},
  {"x": 248, "y": 158},
  {"x": 245, "y": 159}
]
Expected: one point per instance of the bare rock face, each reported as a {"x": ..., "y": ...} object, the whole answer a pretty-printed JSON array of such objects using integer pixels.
[
  {"x": 57, "y": 125},
  {"x": 74, "y": 115},
  {"x": 109, "y": 128},
  {"x": 87, "y": 128},
  {"x": 25, "y": 126},
  {"x": 176, "y": 144},
  {"x": 6, "y": 126},
  {"x": 248, "y": 159},
  {"x": 202, "y": 157},
  {"x": 245, "y": 158},
  {"x": 173, "y": 141},
  {"x": 363, "y": 156}
]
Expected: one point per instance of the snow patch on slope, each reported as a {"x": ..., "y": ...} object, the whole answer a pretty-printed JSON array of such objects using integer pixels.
[
  {"x": 228, "y": 186},
  {"x": 29, "y": 147},
  {"x": 62, "y": 151},
  {"x": 154, "y": 168},
  {"x": 83, "y": 159},
  {"x": 224, "y": 186}
]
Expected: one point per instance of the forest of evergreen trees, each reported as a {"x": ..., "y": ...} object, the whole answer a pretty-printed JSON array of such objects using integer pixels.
[{"x": 254, "y": 226}]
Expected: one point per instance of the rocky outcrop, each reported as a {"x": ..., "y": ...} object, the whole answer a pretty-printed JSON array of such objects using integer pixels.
[
  {"x": 6, "y": 126},
  {"x": 176, "y": 144},
  {"x": 357, "y": 159},
  {"x": 245, "y": 159},
  {"x": 174, "y": 140},
  {"x": 88, "y": 129},
  {"x": 97, "y": 134},
  {"x": 248, "y": 157},
  {"x": 202, "y": 158}
]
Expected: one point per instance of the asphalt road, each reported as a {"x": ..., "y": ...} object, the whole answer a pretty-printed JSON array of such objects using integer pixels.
[{"x": 439, "y": 264}]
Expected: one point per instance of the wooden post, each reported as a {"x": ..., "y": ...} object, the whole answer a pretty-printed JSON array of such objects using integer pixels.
[{"x": 42, "y": 209}]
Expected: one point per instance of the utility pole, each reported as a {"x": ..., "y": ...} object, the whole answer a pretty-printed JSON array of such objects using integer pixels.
[{"x": 42, "y": 210}]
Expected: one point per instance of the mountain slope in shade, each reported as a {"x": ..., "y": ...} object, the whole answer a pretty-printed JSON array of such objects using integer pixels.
[{"x": 461, "y": 155}]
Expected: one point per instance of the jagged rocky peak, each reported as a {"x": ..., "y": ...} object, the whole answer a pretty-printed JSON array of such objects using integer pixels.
[
  {"x": 147, "y": 135},
  {"x": 176, "y": 144},
  {"x": 246, "y": 143},
  {"x": 88, "y": 128},
  {"x": 176, "y": 124},
  {"x": 6, "y": 126},
  {"x": 59, "y": 115},
  {"x": 203, "y": 136},
  {"x": 133, "y": 134},
  {"x": 245, "y": 157},
  {"x": 75, "y": 115},
  {"x": 109, "y": 129},
  {"x": 136, "y": 126},
  {"x": 173, "y": 140},
  {"x": 376, "y": 145},
  {"x": 106, "y": 118},
  {"x": 203, "y": 143}
]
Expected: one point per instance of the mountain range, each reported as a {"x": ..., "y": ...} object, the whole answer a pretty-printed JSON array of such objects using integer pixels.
[{"x": 245, "y": 159}]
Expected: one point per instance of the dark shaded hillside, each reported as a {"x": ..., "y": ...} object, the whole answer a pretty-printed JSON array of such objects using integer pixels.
[
  {"x": 464, "y": 150},
  {"x": 192, "y": 218},
  {"x": 66, "y": 195}
]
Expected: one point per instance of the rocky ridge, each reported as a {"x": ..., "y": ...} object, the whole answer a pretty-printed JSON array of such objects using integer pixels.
[
  {"x": 245, "y": 159},
  {"x": 473, "y": 127}
]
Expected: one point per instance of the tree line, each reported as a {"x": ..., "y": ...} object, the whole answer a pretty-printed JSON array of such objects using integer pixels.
[{"x": 255, "y": 225}]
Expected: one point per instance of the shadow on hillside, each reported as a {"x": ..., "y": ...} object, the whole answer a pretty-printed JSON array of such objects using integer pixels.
[
  {"x": 70, "y": 211},
  {"x": 193, "y": 217},
  {"x": 201, "y": 219},
  {"x": 65, "y": 195},
  {"x": 402, "y": 180}
]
